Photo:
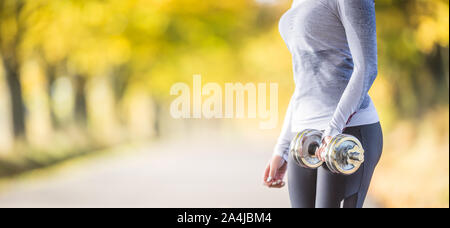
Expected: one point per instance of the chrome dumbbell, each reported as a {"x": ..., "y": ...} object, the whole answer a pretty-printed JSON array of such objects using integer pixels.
[{"x": 344, "y": 154}]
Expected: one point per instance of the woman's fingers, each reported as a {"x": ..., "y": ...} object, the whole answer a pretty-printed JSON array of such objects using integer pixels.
[
  {"x": 276, "y": 181},
  {"x": 266, "y": 172},
  {"x": 319, "y": 152},
  {"x": 274, "y": 166},
  {"x": 273, "y": 174},
  {"x": 266, "y": 180},
  {"x": 277, "y": 184},
  {"x": 269, "y": 174},
  {"x": 322, "y": 148}
]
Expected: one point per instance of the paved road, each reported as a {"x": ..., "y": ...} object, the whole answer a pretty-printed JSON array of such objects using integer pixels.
[{"x": 199, "y": 171}]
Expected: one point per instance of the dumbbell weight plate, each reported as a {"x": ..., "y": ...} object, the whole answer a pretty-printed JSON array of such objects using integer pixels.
[
  {"x": 344, "y": 154},
  {"x": 302, "y": 148},
  {"x": 329, "y": 155}
]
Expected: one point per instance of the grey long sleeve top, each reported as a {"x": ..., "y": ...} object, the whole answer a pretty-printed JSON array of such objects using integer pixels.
[{"x": 334, "y": 54}]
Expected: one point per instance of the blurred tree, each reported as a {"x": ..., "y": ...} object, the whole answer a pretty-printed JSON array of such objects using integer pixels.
[
  {"x": 413, "y": 45},
  {"x": 11, "y": 34}
]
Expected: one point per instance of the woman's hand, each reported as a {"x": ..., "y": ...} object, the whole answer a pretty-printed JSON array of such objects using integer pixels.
[
  {"x": 325, "y": 141},
  {"x": 274, "y": 172}
]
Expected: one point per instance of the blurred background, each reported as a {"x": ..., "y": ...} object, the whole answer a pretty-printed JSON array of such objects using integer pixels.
[{"x": 84, "y": 103}]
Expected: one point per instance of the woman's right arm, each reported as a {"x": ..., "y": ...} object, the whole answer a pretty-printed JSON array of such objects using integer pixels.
[
  {"x": 277, "y": 165},
  {"x": 284, "y": 140}
]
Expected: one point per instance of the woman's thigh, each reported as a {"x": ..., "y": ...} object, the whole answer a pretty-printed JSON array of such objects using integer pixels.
[
  {"x": 333, "y": 188},
  {"x": 301, "y": 185}
]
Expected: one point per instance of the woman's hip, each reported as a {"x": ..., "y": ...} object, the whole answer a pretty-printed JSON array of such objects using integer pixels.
[{"x": 371, "y": 138}]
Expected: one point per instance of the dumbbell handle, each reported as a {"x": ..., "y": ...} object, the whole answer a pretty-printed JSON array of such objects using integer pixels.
[{"x": 355, "y": 155}]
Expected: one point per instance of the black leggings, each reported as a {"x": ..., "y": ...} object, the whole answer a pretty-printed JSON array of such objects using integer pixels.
[{"x": 320, "y": 188}]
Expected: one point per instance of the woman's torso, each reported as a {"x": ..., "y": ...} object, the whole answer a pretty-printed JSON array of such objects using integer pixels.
[{"x": 322, "y": 64}]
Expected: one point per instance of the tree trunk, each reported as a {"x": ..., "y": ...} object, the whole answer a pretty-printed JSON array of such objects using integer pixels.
[
  {"x": 157, "y": 119},
  {"x": 50, "y": 71},
  {"x": 80, "y": 100},
  {"x": 17, "y": 105},
  {"x": 12, "y": 66}
]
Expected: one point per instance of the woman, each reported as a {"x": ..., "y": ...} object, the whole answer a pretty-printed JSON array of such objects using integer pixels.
[{"x": 334, "y": 50}]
